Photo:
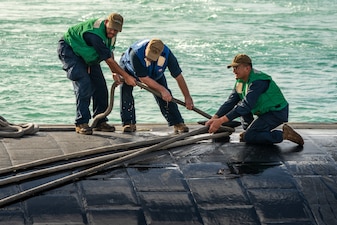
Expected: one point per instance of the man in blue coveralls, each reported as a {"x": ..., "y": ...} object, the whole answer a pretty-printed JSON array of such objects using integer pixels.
[
  {"x": 255, "y": 93},
  {"x": 147, "y": 60},
  {"x": 81, "y": 50}
]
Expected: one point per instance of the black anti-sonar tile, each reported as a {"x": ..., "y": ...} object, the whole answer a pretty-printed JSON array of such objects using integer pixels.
[
  {"x": 9, "y": 190},
  {"x": 309, "y": 147},
  {"x": 291, "y": 222},
  {"x": 318, "y": 166},
  {"x": 109, "y": 193},
  {"x": 274, "y": 205},
  {"x": 117, "y": 216},
  {"x": 319, "y": 189},
  {"x": 157, "y": 178},
  {"x": 232, "y": 215},
  {"x": 218, "y": 191},
  {"x": 269, "y": 178},
  {"x": 203, "y": 170},
  {"x": 176, "y": 208},
  {"x": 10, "y": 217},
  {"x": 325, "y": 213},
  {"x": 55, "y": 209},
  {"x": 237, "y": 153},
  {"x": 193, "y": 153}
]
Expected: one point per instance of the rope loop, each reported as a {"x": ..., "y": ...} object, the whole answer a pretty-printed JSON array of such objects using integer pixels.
[{"x": 9, "y": 130}]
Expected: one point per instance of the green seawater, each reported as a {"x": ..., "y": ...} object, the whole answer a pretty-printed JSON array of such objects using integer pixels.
[{"x": 294, "y": 41}]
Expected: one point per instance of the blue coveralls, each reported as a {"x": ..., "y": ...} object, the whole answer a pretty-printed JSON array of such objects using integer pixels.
[
  {"x": 87, "y": 83},
  {"x": 169, "y": 110}
]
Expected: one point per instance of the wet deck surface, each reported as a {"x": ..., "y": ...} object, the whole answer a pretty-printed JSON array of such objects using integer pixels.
[{"x": 204, "y": 183}]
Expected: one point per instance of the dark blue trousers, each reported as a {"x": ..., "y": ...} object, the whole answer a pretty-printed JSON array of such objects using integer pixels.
[
  {"x": 88, "y": 82},
  {"x": 169, "y": 110},
  {"x": 261, "y": 130}
]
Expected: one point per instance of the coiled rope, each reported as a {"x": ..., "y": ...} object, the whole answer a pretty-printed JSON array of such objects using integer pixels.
[{"x": 10, "y": 130}]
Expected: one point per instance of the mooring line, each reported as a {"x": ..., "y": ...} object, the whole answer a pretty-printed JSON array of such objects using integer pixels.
[
  {"x": 88, "y": 152},
  {"x": 110, "y": 106},
  {"x": 98, "y": 159},
  {"x": 144, "y": 86},
  {"x": 110, "y": 164}
]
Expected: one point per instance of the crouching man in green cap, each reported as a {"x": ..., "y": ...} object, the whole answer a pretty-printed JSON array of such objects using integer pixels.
[{"x": 255, "y": 93}]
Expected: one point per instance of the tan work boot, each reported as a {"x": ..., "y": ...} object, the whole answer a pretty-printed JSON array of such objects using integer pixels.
[
  {"x": 242, "y": 136},
  {"x": 291, "y": 135},
  {"x": 129, "y": 128},
  {"x": 105, "y": 127},
  {"x": 180, "y": 128},
  {"x": 83, "y": 129}
]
